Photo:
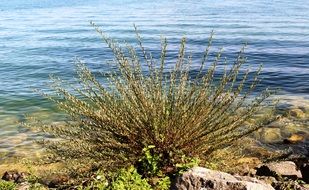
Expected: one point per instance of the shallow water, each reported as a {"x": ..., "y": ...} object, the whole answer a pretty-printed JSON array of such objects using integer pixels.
[{"x": 42, "y": 37}]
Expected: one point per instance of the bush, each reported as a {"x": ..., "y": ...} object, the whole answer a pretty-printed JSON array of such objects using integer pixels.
[{"x": 178, "y": 112}]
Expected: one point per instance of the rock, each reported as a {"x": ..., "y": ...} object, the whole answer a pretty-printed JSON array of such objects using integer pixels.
[
  {"x": 296, "y": 112},
  {"x": 280, "y": 122},
  {"x": 199, "y": 178},
  {"x": 22, "y": 177},
  {"x": 285, "y": 169},
  {"x": 288, "y": 185},
  {"x": 255, "y": 148},
  {"x": 247, "y": 165},
  {"x": 270, "y": 135},
  {"x": 55, "y": 180},
  {"x": 15, "y": 176},
  {"x": 268, "y": 179},
  {"x": 304, "y": 187},
  {"x": 304, "y": 169},
  {"x": 293, "y": 139},
  {"x": 254, "y": 161},
  {"x": 301, "y": 149},
  {"x": 10, "y": 175},
  {"x": 24, "y": 186},
  {"x": 290, "y": 129},
  {"x": 303, "y": 165}
]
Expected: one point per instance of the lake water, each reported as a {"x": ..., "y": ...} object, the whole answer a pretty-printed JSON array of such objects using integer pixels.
[{"x": 42, "y": 37}]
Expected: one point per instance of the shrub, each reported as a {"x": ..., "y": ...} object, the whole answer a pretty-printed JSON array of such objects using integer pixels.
[{"x": 178, "y": 112}]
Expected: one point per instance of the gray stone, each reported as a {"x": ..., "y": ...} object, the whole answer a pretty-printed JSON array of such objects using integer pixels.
[
  {"x": 24, "y": 186},
  {"x": 285, "y": 169},
  {"x": 199, "y": 178}
]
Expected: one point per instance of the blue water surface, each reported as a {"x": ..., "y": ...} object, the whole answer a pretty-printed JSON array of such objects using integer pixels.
[{"x": 42, "y": 37}]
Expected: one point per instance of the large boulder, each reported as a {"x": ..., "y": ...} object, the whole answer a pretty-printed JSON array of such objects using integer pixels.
[
  {"x": 199, "y": 178},
  {"x": 285, "y": 169}
]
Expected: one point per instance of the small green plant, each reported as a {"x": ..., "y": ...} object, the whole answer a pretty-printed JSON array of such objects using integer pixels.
[
  {"x": 150, "y": 168},
  {"x": 149, "y": 162},
  {"x": 123, "y": 179},
  {"x": 163, "y": 184},
  {"x": 99, "y": 182},
  {"x": 129, "y": 179},
  {"x": 7, "y": 185},
  {"x": 154, "y": 115},
  {"x": 186, "y": 163},
  {"x": 284, "y": 183}
]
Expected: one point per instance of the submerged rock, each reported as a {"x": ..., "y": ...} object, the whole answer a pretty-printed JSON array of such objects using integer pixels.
[
  {"x": 270, "y": 135},
  {"x": 295, "y": 138},
  {"x": 199, "y": 178},
  {"x": 296, "y": 112},
  {"x": 291, "y": 129}
]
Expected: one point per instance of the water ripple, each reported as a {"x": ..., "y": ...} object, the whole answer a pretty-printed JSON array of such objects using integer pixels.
[{"x": 41, "y": 37}]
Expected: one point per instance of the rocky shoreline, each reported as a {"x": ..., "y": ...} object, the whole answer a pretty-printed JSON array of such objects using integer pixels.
[
  {"x": 270, "y": 176},
  {"x": 281, "y": 175}
]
